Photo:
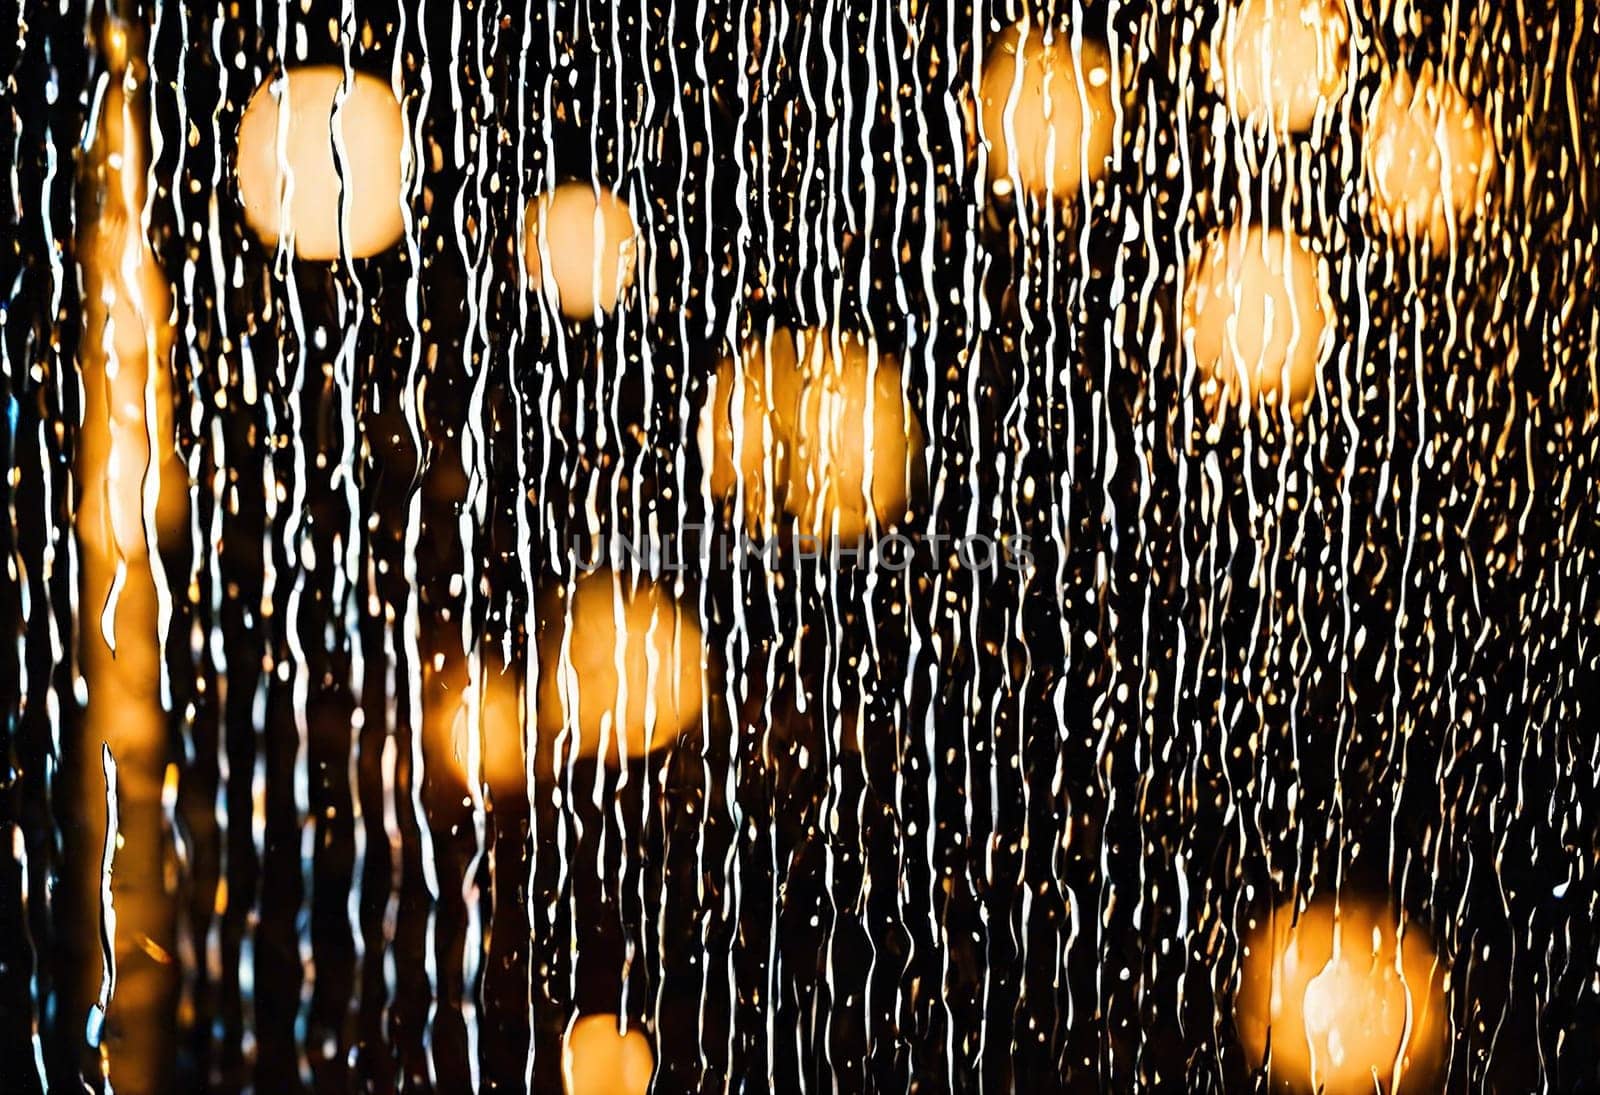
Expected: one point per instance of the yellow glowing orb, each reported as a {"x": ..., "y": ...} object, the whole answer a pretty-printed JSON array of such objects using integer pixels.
[
  {"x": 1256, "y": 308},
  {"x": 367, "y": 124},
  {"x": 1281, "y": 60},
  {"x": 1348, "y": 1005},
  {"x": 1046, "y": 116},
  {"x": 630, "y": 663},
  {"x": 492, "y": 742},
  {"x": 591, "y": 244},
  {"x": 597, "y": 1059},
  {"x": 823, "y": 430},
  {"x": 1429, "y": 157}
]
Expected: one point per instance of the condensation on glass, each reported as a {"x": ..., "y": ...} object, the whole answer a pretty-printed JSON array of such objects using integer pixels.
[{"x": 887, "y": 546}]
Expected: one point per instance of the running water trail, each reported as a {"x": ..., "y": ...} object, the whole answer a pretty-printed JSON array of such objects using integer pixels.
[{"x": 996, "y": 802}]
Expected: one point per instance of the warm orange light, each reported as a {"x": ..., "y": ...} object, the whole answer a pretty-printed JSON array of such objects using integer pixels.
[
  {"x": 127, "y": 350},
  {"x": 599, "y": 1059},
  {"x": 127, "y": 392},
  {"x": 1346, "y": 1001},
  {"x": 1046, "y": 115},
  {"x": 1279, "y": 61},
  {"x": 630, "y": 663},
  {"x": 1429, "y": 156},
  {"x": 591, "y": 245},
  {"x": 747, "y": 450},
  {"x": 1256, "y": 308},
  {"x": 125, "y": 462},
  {"x": 369, "y": 124},
  {"x": 494, "y": 737},
  {"x": 818, "y": 410}
]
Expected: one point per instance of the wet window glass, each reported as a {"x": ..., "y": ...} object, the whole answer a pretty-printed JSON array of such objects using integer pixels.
[{"x": 883, "y": 546}]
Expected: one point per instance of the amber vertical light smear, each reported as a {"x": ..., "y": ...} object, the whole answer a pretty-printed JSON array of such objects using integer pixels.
[{"x": 124, "y": 447}]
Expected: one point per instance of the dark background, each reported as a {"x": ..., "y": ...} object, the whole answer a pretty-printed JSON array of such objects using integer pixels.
[{"x": 1074, "y": 785}]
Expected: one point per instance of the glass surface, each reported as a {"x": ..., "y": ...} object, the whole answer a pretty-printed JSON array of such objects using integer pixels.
[{"x": 785, "y": 546}]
